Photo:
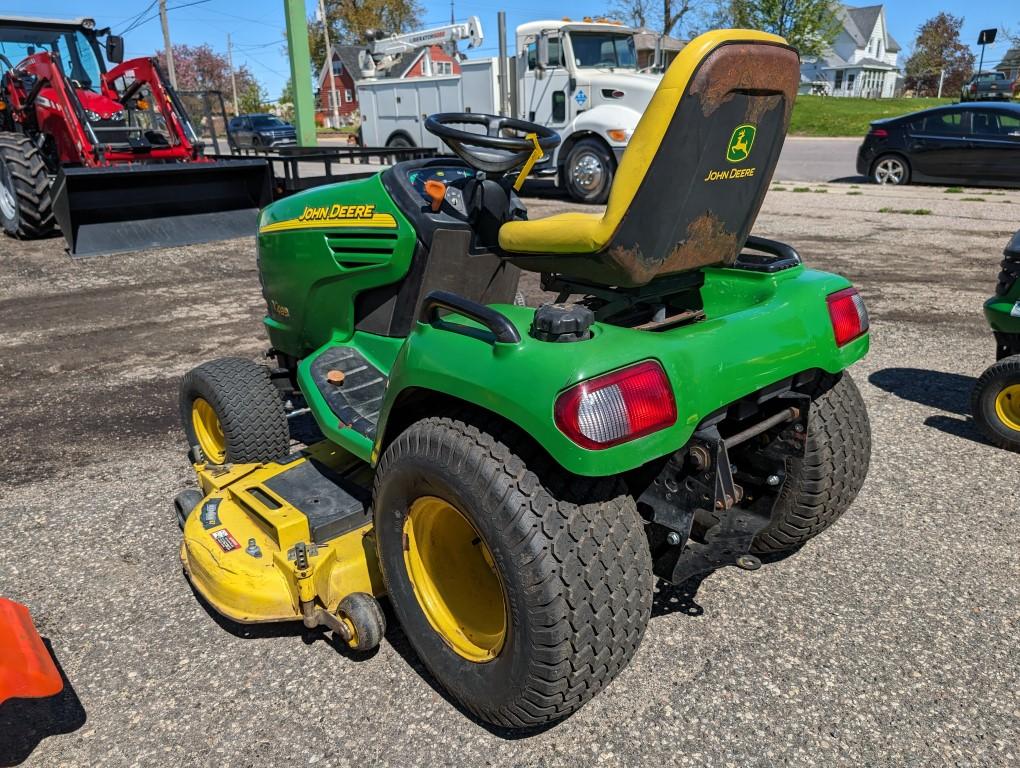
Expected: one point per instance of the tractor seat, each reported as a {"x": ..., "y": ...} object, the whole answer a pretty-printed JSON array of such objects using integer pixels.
[{"x": 694, "y": 175}]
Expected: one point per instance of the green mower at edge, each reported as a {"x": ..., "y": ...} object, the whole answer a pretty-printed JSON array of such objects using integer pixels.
[
  {"x": 514, "y": 479},
  {"x": 996, "y": 399}
]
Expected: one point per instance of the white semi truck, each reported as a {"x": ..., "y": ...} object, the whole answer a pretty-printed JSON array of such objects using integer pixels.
[{"x": 578, "y": 77}]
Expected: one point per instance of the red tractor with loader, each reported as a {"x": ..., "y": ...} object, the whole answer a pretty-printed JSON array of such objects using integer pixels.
[{"x": 108, "y": 155}]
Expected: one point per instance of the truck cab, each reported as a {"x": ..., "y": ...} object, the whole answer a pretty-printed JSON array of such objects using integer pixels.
[{"x": 581, "y": 78}]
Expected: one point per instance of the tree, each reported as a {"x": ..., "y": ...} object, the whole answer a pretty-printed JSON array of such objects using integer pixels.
[
  {"x": 938, "y": 48},
  {"x": 810, "y": 26},
  {"x": 663, "y": 16},
  {"x": 350, "y": 19},
  {"x": 200, "y": 68},
  {"x": 251, "y": 98}
]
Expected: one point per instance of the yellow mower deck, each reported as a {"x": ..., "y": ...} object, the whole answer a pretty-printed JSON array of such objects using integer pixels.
[{"x": 268, "y": 538}]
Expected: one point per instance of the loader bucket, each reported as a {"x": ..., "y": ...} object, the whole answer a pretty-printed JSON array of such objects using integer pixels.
[
  {"x": 156, "y": 205},
  {"x": 26, "y": 668}
]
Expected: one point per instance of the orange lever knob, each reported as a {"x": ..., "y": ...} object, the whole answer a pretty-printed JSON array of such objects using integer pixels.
[{"x": 436, "y": 190}]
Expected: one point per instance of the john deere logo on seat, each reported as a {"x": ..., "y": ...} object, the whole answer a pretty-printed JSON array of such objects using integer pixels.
[{"x": 740, "y": 143}]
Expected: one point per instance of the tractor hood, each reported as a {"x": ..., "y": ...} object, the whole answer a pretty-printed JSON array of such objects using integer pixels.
[{"x": 99, "y": 107}]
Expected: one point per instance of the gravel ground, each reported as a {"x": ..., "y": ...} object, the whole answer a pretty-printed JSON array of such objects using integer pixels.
[{"x": 890, "y": 640}]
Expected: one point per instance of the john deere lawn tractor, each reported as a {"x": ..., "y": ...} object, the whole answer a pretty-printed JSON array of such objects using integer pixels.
[
  {"x": 996, "y": 399},
  {"x": 514, "y": 479}
]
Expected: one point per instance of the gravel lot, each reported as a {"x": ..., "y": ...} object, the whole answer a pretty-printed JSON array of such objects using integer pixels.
[{"x": 890, "y": 640}]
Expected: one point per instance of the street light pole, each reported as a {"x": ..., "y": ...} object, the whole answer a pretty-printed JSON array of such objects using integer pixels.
[
  {"x": 334, "y": 101},
  {"x": 166, "y": 44},
  {"x": 233, "y": 77}
]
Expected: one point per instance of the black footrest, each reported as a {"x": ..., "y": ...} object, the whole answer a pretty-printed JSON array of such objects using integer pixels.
[{"x": 357, "y": 399}]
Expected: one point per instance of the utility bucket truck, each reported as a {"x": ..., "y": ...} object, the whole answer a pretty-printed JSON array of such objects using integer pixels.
[{"x": 579, "y": 78}]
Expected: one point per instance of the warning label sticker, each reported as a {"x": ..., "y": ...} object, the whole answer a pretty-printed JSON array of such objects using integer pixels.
[{"x": 225, "y": 540}]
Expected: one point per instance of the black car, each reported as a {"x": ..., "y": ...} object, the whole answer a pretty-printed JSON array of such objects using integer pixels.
[
  {"x": 261, "y": 131},
  {"x": 976, "y": 144}
]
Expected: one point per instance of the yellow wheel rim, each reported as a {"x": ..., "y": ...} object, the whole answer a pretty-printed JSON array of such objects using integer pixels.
[
  {"x": 208, "y": 431},
  {"x": 455, "y": 580},
  {"x": 1007, "y": 406}
]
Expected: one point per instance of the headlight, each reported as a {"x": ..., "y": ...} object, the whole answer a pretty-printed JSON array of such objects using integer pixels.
[
  {"x": 621, "y": 135},
  {"x": 88, "y": 23},
  {"x": 93, "y": 116},
  {"x": 117, "y": 116}
]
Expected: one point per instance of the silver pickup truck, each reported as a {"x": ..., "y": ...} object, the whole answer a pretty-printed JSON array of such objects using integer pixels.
[{"x": 987, "y": 86}]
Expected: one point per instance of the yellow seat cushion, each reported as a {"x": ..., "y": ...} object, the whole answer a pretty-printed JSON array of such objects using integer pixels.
[{"x": 591, "y": 232}]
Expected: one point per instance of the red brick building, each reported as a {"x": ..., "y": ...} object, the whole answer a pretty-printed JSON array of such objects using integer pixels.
[{"x": 346, "y": 70}]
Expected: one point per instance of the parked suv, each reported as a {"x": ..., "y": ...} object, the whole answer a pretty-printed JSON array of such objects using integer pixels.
[
  {"x": 987, "y": 86},
  {"x": 261, "y": 131}
]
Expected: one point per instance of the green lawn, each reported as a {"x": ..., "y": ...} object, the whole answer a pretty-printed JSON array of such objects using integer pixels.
[{"x": 828, "y": 116}]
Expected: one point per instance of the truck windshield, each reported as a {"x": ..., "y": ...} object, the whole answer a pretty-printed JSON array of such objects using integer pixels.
[
  {"x": 603, "y": 50},
  {"x": 71, "y": 47}
]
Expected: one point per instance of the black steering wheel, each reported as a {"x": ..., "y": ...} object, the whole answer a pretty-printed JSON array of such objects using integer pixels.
[
  {"x": 6, "y": 62},
  {"x": 504, "y": 144}
]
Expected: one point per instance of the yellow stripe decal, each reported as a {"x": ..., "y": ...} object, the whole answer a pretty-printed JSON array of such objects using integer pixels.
[{"x": 375, "y": 221}]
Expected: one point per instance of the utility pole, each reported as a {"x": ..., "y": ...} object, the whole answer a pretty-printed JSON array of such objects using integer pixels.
[
  {"x": 233, "y": 77},
  {"x": 333, "y": 98},
  {"x": 942, "y": 77},
  {"x": 166, "y": 44},
  {"x": 300, "y": 71}
]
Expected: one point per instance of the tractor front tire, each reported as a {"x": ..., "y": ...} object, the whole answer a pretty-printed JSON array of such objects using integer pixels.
[
  {"x": 821, "y": 485},
  {"x": 524, "y": 589},
  {"x": 232, "y": 412},
  {"x": 26, "y": 205},
  {"x": 995, "y": 403}
]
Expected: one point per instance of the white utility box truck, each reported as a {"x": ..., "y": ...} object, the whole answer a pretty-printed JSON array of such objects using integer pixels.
[{"x": 578, "y": 77}]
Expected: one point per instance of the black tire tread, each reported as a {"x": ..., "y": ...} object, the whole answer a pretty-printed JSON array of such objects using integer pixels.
[
  {"x": 1009, "y": 367},
  {"x": 248, "y": 404},
  {"x": 592, "y": 586},
  {"x": 32, "y": 186},
  {"x": 824, "y": 483}
]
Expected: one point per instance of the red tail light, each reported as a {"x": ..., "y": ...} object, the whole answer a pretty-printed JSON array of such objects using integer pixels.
[
  {"x": 879, "y": 133},
  {"x": 973, "y": 87},
  {"x": 848, "y": 315},
  {"x": 617, "y": 407}
]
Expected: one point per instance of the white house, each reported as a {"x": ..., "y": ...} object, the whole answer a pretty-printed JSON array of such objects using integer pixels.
[{"x": 861, "y": 61}]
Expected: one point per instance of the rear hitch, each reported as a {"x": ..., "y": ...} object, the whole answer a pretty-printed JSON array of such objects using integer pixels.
[{"x": 709, "y": 509}]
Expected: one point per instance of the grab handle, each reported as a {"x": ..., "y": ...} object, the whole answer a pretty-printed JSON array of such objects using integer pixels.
[{"x": 501, "y": 327}]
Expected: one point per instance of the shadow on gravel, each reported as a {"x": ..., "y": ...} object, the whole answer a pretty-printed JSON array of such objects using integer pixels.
[
  {"x": 937, "y": 389},
  {"x": 275, "y": 629},
  {"x": 945, "y": 391},
  {"x": 26, "y": 722}
]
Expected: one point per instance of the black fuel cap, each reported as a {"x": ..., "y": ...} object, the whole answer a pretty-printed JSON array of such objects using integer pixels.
[{"x": 562, "y": 322}]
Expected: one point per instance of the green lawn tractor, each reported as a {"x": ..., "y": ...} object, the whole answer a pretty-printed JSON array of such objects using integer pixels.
[
  {"x": 996, "y": 399},
  {"x": 514, "y": 479}
]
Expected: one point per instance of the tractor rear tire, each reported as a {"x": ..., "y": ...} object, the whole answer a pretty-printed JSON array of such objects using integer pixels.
[
  {"x": 26, "y": 205},
  {"x": 995, "y": 403},
  {"x": 232, "y": 412},
  {"x": 530, "y": 589},
  {"x": 822, "y": 484}
]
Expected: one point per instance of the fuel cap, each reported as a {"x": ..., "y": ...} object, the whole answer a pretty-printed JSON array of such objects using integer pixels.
[{"x": 562, "y": 323}]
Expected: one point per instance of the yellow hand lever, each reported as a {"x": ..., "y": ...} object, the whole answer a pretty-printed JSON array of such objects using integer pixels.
[{"x": 536, "y": 155}]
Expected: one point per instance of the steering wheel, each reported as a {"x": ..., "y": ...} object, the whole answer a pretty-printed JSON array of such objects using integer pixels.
[
  {"x": 6, "y": 62},
  {"x": 492, "y": 151}
]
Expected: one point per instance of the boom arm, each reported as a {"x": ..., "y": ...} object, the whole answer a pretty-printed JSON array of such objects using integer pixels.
[{"x": 383, "y": 52}]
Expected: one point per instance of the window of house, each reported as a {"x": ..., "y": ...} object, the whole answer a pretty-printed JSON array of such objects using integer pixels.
[
  {"x": 850, "y": 81},
  {"x": 839, "y": 79},
  {"x": 348, "y": 96},
  {"x": 338, "y": 66},
  {"x": 443, "y": 67},
  {"x": 878, "y": 49}
]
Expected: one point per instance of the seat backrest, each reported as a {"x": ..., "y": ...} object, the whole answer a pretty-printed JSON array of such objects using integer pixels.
[{"x": 697, "y": 168}]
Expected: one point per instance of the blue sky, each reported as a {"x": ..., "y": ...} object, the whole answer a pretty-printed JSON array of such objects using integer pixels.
[{"x": 257, "y": 25}]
